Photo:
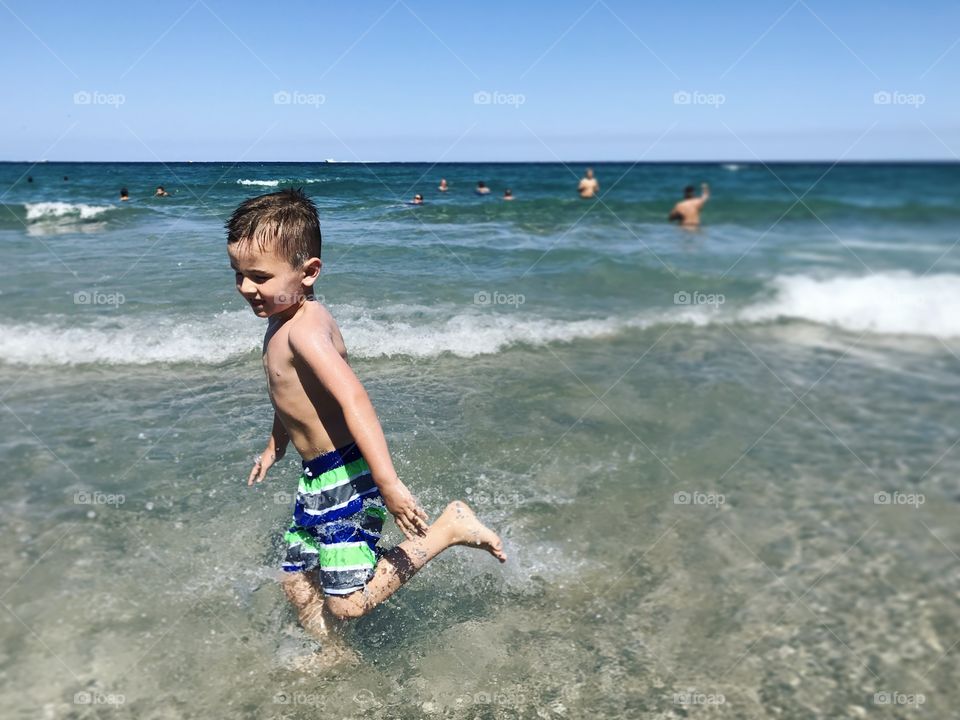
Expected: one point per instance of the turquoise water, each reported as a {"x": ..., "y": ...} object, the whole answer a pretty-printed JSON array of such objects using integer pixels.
[{"x": 724, "y": 462}]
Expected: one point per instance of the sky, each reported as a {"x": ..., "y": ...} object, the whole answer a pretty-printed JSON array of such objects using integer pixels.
[{"x": 404, "y": 80}]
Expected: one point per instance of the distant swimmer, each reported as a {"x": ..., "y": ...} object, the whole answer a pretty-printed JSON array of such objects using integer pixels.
[
  {"x": 687, "y": 211},
  {"x": 65, "y": 178},
  {"x": 161, "y": 192},
  {"x": 508, "y": 194},
  {"x": 443, "y": 185},
  {"x": 417, "y": 199},
  {"x": 482, "y": 188},
  {"x": 29, "y": 178},
  {"x": 588, "y": 186},
  {"x": 124, "y": 195}
]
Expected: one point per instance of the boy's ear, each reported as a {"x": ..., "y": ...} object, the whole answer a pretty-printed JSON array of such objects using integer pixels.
[{"x": 311, "y": 271}]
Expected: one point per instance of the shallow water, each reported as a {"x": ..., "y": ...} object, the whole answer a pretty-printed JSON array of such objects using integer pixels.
[{"x": 724, "y": 463}]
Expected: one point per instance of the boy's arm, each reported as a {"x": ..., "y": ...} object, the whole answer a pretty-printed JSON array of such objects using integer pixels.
[
  {"x": 321, "y": 356},
  {"x": 276, "y": 448}
]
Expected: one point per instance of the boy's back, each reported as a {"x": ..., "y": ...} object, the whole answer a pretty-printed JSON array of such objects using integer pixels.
[{"x": 312, "y": 417}]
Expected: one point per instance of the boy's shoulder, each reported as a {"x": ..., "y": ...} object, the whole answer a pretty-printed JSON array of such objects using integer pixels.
[{"x": 313, "y": 321}]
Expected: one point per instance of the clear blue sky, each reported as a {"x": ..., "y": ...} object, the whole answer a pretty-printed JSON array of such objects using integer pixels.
[{"x": 777, "y": 79}]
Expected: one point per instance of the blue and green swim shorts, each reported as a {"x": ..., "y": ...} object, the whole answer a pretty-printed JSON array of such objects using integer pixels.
[{"x": 337, "y": 521}]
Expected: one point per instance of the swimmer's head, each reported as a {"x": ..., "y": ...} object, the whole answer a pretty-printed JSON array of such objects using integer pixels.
[
  {"x": 688, "y": 191},
  {"x": 589, "y": 173},
  {"x": 481, "y": 184},
  {"x": 274, "y": 246},
  {"x": 124, "y": 195}
]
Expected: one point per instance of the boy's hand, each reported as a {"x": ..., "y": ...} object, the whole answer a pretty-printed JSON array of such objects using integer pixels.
[
  {"x": 264, "y": 462},
  {"x": 410, "y": 517}
]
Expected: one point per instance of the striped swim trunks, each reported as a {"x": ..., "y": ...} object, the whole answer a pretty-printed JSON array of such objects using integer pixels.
[{"x": 337, "y": 521}]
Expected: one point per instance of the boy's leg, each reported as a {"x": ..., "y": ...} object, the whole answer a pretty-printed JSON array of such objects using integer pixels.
[
  {"x": 307, "y": 597},
  {"x": 457, "y": 525}
]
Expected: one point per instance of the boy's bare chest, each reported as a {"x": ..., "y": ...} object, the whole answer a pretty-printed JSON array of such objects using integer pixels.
[{"x": 278, "y": 362}]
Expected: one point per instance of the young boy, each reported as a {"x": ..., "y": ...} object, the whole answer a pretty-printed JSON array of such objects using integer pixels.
[{"x": 348, "y": 482}]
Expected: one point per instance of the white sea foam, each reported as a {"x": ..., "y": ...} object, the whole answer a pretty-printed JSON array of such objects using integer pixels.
[
  {"x": 276, "y": 182},
  {"x": 884, "y": 303},
  {"x": 265, "y": 183},
  {"x": 53, "y": 210},
  {"x": 141, "y": 340}
]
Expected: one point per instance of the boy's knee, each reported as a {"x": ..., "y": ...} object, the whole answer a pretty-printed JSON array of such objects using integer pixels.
[{"x": 346, "y": 608}]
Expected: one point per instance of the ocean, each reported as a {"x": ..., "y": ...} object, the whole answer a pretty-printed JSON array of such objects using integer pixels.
[{"x": 724, "y": 462}]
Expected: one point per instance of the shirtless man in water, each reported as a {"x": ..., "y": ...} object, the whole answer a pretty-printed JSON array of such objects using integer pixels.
[
  {"x": 588, "y": 186},
  {"x": 687, "y": 211}
]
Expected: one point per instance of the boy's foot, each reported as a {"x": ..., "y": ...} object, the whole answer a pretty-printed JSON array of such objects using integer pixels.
[{"x": 466, "y": 529}]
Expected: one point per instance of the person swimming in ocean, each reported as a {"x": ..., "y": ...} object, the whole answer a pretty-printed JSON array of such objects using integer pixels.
[
  {"x": 508, "y": 194},
  {"x": 443, "y": 187},
  {"x": 482, "y": 188},
  {"x": 335, "y": 569},
  {"x": 687, "y": 211},
  {"x": 124, "y": 195},
  {"x": 589, "y": 185},
  {"x": 161, "y": 192},
  {"x": 417, "y": 199}
]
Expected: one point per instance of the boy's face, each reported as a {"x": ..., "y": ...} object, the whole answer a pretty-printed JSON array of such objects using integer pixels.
[{"x": 269, "y": 282}]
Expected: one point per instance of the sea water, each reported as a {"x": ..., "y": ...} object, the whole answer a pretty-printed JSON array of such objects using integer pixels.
[{"x": 724, "y": 462}]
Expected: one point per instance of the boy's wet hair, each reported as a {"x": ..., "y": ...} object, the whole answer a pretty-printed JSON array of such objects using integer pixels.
[{"x": 286, "y": 221}]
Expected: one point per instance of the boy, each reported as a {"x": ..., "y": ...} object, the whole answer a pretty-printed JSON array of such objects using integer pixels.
[{"x": 348, "y": 482}]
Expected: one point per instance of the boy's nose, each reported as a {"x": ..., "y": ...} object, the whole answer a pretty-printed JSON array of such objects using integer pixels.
[{"x": 247, "y": 287}]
